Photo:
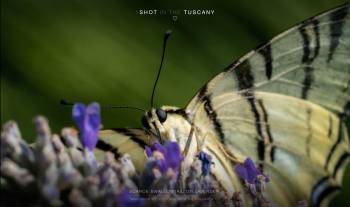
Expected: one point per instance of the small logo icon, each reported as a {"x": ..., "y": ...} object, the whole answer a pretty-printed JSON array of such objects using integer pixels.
[{"x": 174, "y": 18}]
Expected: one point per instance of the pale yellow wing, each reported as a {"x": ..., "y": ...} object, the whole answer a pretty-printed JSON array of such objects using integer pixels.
[
  {"x": 281, "y": 105},
  {"x": 300, "y": 145},
  {"x": 309, "y": 61}
]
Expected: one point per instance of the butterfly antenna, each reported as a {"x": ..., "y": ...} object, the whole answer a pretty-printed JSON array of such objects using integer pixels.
[
  {"x": 166, "y": 36},
  {"x": 68, "y": 103}
]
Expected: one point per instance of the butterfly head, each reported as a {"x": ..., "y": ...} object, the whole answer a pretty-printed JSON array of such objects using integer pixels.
[
  {"x": 153, "y": 120},
  {"x": 172, "y": 124},
  {"x": 166, "y": 123}
]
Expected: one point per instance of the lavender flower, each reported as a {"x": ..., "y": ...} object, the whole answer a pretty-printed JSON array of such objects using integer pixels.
[
  {"x": 155, "y": 147},
  {"x": 248, "y": 172},
  {"x": 173, "y": 155},
  {"x": 255, "y": 181},
  {"x": 88, "y": 120},
  {"x": 54, "y": 178},
  {"x": 206, "y": 162},
  {"x": 59, "y": 173},
  {"x": 168, "y": 156},
  {"x": 21, "y": 175}
]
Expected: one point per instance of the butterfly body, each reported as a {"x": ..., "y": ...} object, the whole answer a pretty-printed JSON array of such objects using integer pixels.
[{"x": 282, "y": 104}]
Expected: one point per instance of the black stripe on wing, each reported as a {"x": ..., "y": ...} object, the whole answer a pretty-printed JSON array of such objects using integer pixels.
[
  {"x": 132, "y": 135},
  {"x": 135, "y": 135},
  {"x": 340, "y": 139},
  {"x": 245, "y": 82},
  {"x": 268, "y": 138},
  {"x": 307, "y": 57},
  {"x": 208, "y": 107},
  {"x": 104, "y": 146},
  {"x": 245, "y": 79},
  {"x": 336, "y": 29},
  {"x": 267, "y": 55},
  {"x": 342, "y": 160},
  {"x": 322, "y": 190}
]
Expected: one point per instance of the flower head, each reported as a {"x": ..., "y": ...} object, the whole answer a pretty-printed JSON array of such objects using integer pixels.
[
  {"x": 88, "y": 121},
  {"x": 248, "y": 172},
  {"x": 168, "y": 156},
  {"x": 206, "y": 162},
  {"x": 155, "y": 147},
  {"x": 173, "y": 155}
]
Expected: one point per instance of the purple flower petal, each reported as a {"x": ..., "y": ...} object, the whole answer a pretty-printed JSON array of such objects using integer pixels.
[
  {"x": 241, "y": 171},
  {"x": 173, "y": 155},
  {"x": 88, "y": 121},
  {"x": 247, "y": 171},
  {"x": 78, "y": 114},
  {"x": 148, "y": 151},
  {"x": 206, "y": 162},
  {"x": 252, "y": 171},
  {"x": 93, "y": 116},
  {"x": 158, "y": 147},
  {"x": 162, "y": 165}
]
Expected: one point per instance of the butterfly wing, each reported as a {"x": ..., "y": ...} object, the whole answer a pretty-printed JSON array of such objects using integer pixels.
[
  {"x": 309, "y": 61},
  {"x": 301, "y": 146},
  {"x": 124, "y": 140},
  {"x": 282, "y": 106}
]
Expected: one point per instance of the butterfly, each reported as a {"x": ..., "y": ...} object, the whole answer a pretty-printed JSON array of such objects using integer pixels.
[{"x": 282, "y": 104}]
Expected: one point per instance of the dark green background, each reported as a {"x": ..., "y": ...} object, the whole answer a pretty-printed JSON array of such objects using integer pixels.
[{"x": 103, "y": 51}]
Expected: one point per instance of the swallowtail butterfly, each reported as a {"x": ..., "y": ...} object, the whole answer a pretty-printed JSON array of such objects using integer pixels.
[{"x": 282, "y": 104}]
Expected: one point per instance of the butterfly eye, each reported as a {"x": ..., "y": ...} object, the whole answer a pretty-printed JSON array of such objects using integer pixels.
[
  {"x": 161, "y": 115},
  {"x": 145, "y": 122}
]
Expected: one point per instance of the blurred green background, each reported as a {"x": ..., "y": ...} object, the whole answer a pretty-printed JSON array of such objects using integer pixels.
[{"x": 104, "y": 51}]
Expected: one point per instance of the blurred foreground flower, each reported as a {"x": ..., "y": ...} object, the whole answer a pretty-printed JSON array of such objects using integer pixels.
[
  {"x": 206, "y": 162},
  {"x": 59, "y": 171},
  {"x": 254, "y": 180},
  {"x": 169, "y": 158},
  {"x": 88, "y": 121},
  {"x": 51, "y": 173},
  {"x": 249, "y": 173}
]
